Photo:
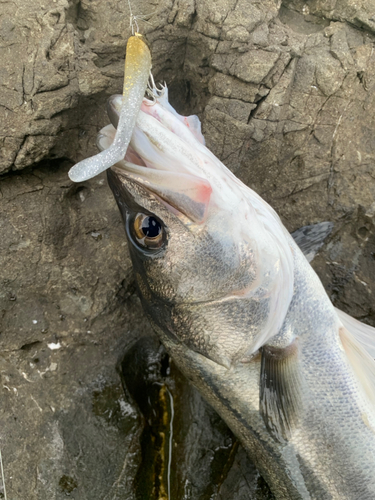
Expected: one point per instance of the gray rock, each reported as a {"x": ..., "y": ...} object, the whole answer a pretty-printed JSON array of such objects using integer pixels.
[{"x": 285, "y": 92}]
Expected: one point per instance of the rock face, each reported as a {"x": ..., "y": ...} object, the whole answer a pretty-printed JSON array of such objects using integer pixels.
[{"x": 285, "y": 91}]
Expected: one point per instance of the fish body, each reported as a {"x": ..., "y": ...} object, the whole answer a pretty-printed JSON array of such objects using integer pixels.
[{"x": 243, "y": 314}]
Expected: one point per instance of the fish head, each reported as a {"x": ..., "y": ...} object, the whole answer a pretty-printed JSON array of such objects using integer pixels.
[{"x": 206, "y": 250}]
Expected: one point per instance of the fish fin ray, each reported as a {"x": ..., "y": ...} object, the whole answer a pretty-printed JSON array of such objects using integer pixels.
[
  {"x": 311, "y": 238},
  {"x": 280, "y": 396},
  {"x": 364, "y": 334},
  {"x": 361, "y": 361}
]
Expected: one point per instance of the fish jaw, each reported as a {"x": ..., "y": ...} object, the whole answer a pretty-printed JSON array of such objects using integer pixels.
[
  {"x": 187, "y": 193},
  {"x": 164, "y": 142}
]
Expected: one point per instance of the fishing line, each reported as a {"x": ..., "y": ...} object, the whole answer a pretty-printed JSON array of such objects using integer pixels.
[
  {"x": 170, "y": 443},
  {"x": 2, "y": 476},
  {"x": 135, "y": 18}
]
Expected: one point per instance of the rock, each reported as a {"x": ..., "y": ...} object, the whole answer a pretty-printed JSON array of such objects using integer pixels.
[
  {"x": 65, "y": 418},
  {"x": 285, "y": 92}
]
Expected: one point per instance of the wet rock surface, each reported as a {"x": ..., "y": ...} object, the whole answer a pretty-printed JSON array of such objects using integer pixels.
[
  {"x": 187, "y": 450},
  {"x": 285, "y": 92}
]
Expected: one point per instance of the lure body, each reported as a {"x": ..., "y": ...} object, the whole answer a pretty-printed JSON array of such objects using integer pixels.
[{"x": 137, "y": 71}]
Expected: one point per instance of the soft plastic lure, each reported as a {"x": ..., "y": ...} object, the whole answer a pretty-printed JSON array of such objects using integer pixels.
[{"x": 137, "y": 71}]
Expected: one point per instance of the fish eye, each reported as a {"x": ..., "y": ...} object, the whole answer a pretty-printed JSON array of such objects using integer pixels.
[{"x": 148, "y": 231}]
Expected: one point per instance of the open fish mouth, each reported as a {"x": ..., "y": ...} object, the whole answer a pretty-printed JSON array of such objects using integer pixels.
[{"x": 161, "y": 156}]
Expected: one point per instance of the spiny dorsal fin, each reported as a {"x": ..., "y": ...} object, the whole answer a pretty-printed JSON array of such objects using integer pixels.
[
  {"x": 311, "y": 238},
  {"x": 280, "y": 389}
]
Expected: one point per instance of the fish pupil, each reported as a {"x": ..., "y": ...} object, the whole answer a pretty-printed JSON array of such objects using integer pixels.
[{"x": 151, "y": 227}]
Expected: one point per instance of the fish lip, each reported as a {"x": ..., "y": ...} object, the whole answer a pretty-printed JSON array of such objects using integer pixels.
[{"x": 121, "y": 167}]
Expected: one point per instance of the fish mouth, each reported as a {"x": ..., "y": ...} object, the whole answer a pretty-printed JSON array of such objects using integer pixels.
[{"x": 161, "y": 158}]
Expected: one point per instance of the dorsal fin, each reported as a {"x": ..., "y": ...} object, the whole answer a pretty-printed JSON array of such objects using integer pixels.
[
  {"x": 364, "y": 334},
  {"x": 311, "y": 238}
]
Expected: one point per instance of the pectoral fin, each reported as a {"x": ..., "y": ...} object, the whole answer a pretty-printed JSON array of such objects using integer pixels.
[{"x": 280, "y": 389}]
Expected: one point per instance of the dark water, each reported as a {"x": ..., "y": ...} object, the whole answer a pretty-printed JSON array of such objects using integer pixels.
[{"x": 188, "y": 452}]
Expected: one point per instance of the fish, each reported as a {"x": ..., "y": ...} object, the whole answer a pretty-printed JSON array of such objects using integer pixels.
[
  {"x": 242, "y": 313},
  {"x": 240, "y": 309}
]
